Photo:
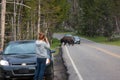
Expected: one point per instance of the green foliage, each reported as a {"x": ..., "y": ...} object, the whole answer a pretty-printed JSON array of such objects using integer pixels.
[
  {"x": 55, "y": 43},
  {"x": 96, "y": 17},
  {"x": 88, "y": 17},
  {"x": 27, "y": 12},
  {"x": 54, "y": 11}
]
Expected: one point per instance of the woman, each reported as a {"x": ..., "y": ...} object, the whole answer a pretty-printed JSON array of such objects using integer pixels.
[{"x": 42, "y": 45}]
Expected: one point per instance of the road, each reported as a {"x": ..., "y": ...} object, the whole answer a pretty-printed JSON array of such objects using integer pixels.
[{"x": 92, "y": 61}]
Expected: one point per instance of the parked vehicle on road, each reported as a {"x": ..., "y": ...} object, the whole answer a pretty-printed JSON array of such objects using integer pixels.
[
  {"x": 76, "y": 39},
  {"x": 18, "y": 60}
]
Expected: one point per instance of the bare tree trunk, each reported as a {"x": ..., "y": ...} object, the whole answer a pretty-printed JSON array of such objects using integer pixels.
[
  {"x": 45, "y": 25},
  {"x": 19, "y": 21},
  {"x": 117, "y": 25},
  {"x": 74, "y": 6},
  {"x": 32, "y": 25},
  {"x": 38, "y": 17},
  {"x": 12, "y": 37},
  {"x": 14, "y": 20},
  {"x": 3, "y": 12},
  {"x": 28, "y": 30}
]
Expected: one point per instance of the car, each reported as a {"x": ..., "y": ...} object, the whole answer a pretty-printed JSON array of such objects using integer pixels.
[
  {"x": 18, "y": 60},
  {"x": 76, "y": 39}
]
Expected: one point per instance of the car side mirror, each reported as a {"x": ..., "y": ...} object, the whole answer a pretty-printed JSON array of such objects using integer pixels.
[{"x": 52, "y": 51}]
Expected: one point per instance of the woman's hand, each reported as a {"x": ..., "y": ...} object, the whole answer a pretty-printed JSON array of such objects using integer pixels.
[{"x": 46, "y": 39}]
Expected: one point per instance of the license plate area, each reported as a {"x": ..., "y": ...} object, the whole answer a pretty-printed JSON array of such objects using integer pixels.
[
  {"x": 23, "y": 71},
  {"x": 29, "y": 70}
]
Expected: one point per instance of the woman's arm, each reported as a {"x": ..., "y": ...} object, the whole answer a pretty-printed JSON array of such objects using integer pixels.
[{"x": 47, "y": 42}]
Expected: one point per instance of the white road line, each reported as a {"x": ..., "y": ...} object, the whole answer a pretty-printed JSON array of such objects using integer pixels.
[{"x": 74, "y": 66}]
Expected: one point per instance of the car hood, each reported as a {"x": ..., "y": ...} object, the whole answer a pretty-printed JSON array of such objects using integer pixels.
[{"x": 18, "y": 59}]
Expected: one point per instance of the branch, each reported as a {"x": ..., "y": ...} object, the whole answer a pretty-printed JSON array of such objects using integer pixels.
[{"x": 18, "y": 4}]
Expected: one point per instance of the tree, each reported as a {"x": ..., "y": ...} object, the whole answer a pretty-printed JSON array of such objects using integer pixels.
[
  {"x": 95, "y": 17},
  {"x": 27, "y": 16},
  {"x": 3, "y": 12}
]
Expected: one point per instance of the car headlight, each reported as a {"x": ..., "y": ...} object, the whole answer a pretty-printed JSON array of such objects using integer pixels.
[
  {"x": 4, "y": 63},
  {"x": 47, "y": 61}
]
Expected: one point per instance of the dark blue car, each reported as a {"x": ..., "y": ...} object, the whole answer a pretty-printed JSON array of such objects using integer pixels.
[{"x": 18, "y": 60}]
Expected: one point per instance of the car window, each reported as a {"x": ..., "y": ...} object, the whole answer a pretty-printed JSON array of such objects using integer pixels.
[
  {"x": 20, "y": 48},
  {"x": 76, "y": 38},
  {"x": 68, "y": 35}
]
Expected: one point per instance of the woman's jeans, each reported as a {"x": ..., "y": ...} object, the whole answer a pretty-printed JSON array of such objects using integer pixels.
[{"x": 41, "y": 65}]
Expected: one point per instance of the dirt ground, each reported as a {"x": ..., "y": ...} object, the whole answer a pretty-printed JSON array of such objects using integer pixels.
[{"x": 60, "y": 71}]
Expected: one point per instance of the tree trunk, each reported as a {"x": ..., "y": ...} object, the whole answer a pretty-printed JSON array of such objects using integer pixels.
[
  {"x": 14, "y": 22},
  {"x": 28, "y": 30},
  {"x": 12, "y": 37},
  {"x": 117, "y": 25},
  {"x": 3, "y": 12},
  {"x": 19, "y": 21},
  {"x": 38, "y": 17}
]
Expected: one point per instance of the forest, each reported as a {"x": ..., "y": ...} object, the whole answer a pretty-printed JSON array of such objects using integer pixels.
[
  {"x": 24, "y": 19},
  {"x": 95, "y": 17}
]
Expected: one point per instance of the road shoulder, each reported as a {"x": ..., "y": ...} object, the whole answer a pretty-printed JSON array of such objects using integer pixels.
[{"x": 60, "y": 71}]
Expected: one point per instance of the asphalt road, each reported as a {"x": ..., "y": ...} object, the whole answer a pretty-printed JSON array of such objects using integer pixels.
[{"x": 91, "y": 61}]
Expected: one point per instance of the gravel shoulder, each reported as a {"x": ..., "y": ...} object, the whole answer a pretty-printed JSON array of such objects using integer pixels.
[{"x": 60, "y": 71}]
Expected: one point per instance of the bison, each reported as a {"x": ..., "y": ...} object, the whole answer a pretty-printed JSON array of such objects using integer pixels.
[{"x": 67, "y": 40}]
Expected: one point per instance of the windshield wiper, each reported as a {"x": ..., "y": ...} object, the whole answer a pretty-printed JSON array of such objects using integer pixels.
[
  {"x": 11, "y": 53},
  {"x": 28, "y": 53},
  {"x": 18, "y": 53}
]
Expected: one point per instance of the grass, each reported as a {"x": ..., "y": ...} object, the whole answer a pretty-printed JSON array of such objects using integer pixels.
[
  {"x": 103, "y": 40},
  {"x": 55, "y": 45},
  {"x": 97, "y": 39},
  {"x": 117, "y": 43}
]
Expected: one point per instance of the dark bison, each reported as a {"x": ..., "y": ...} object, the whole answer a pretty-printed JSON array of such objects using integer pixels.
[{"x": 67, "y": 40}]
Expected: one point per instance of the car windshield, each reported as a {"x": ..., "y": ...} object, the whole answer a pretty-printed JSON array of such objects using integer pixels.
[
  {"x": 76, "y": 37},
  {"x": 20, "y": 48},
  {"x": 68, "y": 35}
]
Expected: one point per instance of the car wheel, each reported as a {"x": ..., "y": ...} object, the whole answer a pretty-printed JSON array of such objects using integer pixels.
[
  {"x": 51, "y": 75},
  {"x": 2, "y": 77}
]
